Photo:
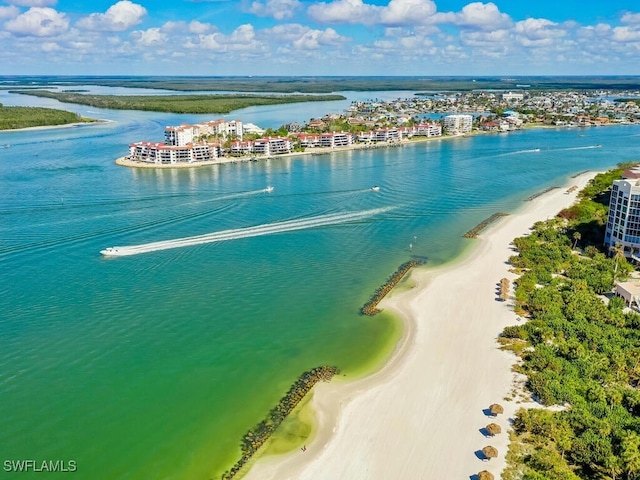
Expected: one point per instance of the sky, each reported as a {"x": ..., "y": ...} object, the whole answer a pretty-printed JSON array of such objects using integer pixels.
[{"x": 309, "y": 37}]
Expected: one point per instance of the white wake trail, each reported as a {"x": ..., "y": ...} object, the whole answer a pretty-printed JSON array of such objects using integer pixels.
[{"x": 237, "y": 233}]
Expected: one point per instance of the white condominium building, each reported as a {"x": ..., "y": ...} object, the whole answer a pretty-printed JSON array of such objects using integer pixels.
[
  {"x": 161, "y": 154},
  {"x": 623, "y": 224},
  {"x": 458, "y": 124},
  {"x": 263, "y": 146},
  {"x": 336, "y": 139},
  {"x": 184, "y": 134}
]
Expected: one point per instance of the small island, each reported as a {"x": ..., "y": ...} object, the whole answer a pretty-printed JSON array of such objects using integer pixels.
[
  {"x": 205, "y": 103},
  {"x": 13, "y": 118}
]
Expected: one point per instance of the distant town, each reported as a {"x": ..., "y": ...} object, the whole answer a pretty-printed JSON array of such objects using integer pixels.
[{"x": 376, "y": 123}]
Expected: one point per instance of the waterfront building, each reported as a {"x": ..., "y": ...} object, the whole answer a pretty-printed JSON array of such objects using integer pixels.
[
  {"x": 180, "y": 135},
  {"x": 428, "y": 129},
  {"x": 161, "y": 154},
  {"x": 386, "y": 135},
  {"x": 458, "y": 124},
  {"x": 241, "y": 148},
  {"x": 263, "y": 146},
  {"x": 623, "y": 223},
  {"x": 309, "y": 140},
  {"x": 185, "y": 134},
  {"x": 336, "y": 139}
]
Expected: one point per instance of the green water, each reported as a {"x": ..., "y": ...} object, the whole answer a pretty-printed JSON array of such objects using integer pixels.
[{"x": 155, "y": 365}]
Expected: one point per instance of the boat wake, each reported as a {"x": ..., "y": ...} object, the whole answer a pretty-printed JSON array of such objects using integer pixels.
[
  {"x": 238, "y": 233},
  {"x": 588, "y": 147}
]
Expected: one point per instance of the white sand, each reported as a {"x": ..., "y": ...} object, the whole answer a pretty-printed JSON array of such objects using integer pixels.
[{"x": 420, "y": 416}]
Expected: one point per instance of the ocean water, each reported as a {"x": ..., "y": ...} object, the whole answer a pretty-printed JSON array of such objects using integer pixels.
[{"x": 155, "y": 365}]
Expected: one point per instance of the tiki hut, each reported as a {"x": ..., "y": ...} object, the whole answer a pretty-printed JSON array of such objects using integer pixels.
[
  {"x": 493, "y": 429},
  {"x": 496, "y": 409},
  {"x": 490, "y": 452},
  {"x": 484, "y": 475}
]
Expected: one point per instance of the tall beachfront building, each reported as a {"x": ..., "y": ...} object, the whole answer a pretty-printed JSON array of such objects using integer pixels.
[
  {"x": 623, "y": 224},
  {"x": 458, "y": 124}
]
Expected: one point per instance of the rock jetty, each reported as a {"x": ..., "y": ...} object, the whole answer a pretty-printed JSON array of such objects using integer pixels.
[
  {"x": 473, "y": 233},
  {"x": 255, "y": 438},
  {"x": 371, "y": 307}
]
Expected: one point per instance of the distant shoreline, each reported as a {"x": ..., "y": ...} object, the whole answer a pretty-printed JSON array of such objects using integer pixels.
[
  {"x": 49, "y": 127},
  {"x": 125, "y": 162}
]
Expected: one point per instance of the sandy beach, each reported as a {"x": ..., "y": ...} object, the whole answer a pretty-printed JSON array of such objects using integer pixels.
[{"x": 422, "y": 415}]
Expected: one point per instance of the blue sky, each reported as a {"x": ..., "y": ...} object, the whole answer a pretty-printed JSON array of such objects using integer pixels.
[{"x": 329, "y": 37}]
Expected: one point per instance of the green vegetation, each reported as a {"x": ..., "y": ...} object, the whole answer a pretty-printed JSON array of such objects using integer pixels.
[
  {"x": 577, "y": 351},
  {"x": 178, "y": 103},
  {"x": 23, "y": 117},
  {"x": 337, "y": 83}
]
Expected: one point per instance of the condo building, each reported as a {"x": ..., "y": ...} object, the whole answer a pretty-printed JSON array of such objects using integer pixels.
[
  {"x": 458, "y": 124},
  {"x": 623, "y": 223},
  {"x": 161, "y": 154},
  {"x": 184, "y": 134}
]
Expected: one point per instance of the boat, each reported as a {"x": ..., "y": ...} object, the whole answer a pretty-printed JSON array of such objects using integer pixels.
[
  {"x": 536, "y": 149},
  {"x": 269, "y": 189},
  {"x": 7, "y": 145},
  {"x": 110, "y": 252},
  {"x": 375, "y": 188}
]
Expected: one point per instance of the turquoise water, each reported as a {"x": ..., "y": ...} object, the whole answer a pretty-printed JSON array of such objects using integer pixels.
[{"x": 153, "y": 366}]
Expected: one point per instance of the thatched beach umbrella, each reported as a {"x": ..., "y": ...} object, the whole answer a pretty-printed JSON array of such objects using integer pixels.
[
  {"x": 484, "y": 475},
  {"x": 490, "y": 452},
  {"x": 493, "y": 429},
  {"x": 496, "y": 409}
]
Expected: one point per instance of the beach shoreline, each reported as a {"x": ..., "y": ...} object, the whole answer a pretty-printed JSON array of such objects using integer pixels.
[
  {"x": 422, "y": 414},
  {"x": 51, "y": 127}
]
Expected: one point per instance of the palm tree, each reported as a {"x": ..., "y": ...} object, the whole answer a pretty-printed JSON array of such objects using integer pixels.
[
  {"x": 617, "y": 251},
  {"x": 484, "y": 475},
  {"x": 576, "y": 236}
]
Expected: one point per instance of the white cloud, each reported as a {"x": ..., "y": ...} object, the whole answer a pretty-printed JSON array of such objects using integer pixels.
[
  {"x": 151, "y": 36},
  {"x": 630, "y": 17},
  {"x": 626, "y": 34},
  {"x": 33, "y": 3},
  {"x": 407, "y": 12},
  {"x": 396, "y": 13},
  {"x": 482, "y": 16},
  {"x": 50, "y": 47},
  {"x": 538, "y": 32},
  {"x": 496, "y": 38},
  {"x": 242, "y": 39},
  {"x": 207, "y": 42},
  {"x": 243, "y": 34},
  {"x": 199, "y": 27},
  {"x": 181, "y": 27},
  {"x": 314, "y": 39},
  {"x": 302, "y": 37},
  {"x": 278, "y": 9},
  {"x": 119, "y": 17},
  {"x": 343, "y": 11},
  {"x": 9, "y": 12},
  {"x": 39, "y": 22}
]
